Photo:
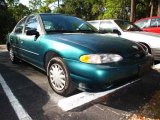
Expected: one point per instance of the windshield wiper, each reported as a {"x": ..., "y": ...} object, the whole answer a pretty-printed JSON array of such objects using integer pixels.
[
  {"x": 86, "y": 31},
  {"x": 59, "y": 31}
]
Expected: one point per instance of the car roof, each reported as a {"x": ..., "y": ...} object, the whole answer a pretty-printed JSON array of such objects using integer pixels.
[
  {"x": 49, "y": 14},
  {"x": 106, "y": 20},
  {"x": 147, "y": 18}
]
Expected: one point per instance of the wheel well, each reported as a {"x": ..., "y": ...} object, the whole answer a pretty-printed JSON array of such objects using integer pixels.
[
  {"x": 48, "y": 56},
  {"x": 149, "y": 49},
  {"x": 8, "y": 46}
]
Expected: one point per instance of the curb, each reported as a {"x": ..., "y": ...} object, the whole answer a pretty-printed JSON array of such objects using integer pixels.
[{"x": 3, "y": 48}]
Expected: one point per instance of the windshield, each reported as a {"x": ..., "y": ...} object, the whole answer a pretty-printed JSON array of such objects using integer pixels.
[
  {"x": 65, "y": 24},
  {"x": 127, "y": 26}
]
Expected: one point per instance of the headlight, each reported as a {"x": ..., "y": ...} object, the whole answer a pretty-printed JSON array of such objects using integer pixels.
[{"x": 100, "y": 58}]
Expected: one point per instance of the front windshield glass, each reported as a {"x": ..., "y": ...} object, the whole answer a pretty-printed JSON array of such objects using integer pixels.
[
  {"x": 64, "y": 23},
  {"x": 127, "y": 26}
]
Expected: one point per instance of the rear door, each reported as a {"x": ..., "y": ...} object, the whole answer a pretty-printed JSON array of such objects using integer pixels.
[{"x": 15, "y": 37}]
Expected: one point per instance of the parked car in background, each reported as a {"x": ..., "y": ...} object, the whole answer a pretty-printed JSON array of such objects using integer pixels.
[
  {"x": 149, "y": 24},
  {"x": 73, "y": 54},
  {"x": 130, "y": 31}
]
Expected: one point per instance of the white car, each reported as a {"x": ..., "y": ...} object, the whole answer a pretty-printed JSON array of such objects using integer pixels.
[{"x": 130, "y": 31}]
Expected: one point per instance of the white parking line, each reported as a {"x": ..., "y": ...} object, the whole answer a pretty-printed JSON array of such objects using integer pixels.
[
  {"x": 77, "y": 100},
  {"x": 19, "y": 110}
]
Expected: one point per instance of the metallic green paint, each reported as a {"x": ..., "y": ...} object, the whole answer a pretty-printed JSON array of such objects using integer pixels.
[
  {"x": 100, "y": 75},
  {"x": 70, "y": 46}
]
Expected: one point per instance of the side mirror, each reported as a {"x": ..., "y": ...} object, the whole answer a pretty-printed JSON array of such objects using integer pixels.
[
  {"x": 32, "y": 32},
  {"x": 116, "y": 31}
]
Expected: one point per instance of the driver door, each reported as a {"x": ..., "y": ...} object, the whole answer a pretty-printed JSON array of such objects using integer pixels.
[{"x": 30, "y": 43}]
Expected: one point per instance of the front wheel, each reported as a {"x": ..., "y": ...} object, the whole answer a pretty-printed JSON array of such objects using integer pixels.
[
  {"x": 13, "y": 58},
  {"x": 58, "y": 77}
]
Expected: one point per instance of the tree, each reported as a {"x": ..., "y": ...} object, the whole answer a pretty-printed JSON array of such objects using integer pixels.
[
  {"x": 40, "y": 6},
  {"x": 10, "y": 14},
  {"x": 86, "y": 9},
  {"x": 117, "y": 9},
  {"x": 158, "y": 12},
  {"x": 44, "y": 7},
  {"x": 152, "y": 8},
  {"x": 34, "y": 5},
  {"x": 7, "y": 21},
  {"x": 133, "y": 10},
  {"x": 3, "y": 5},
  {"x": 19, "y": 11}
]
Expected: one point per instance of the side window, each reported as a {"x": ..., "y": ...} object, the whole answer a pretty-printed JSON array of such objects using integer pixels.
[
  {"x": 95, "y": 24},
  {"x": 142, "y": 23},
  {"x": 31, "y": 23},
  {"x": 19, "y": 27},
  {"x": 154, "y": 22},
  {"x": 107, "y": 26},
  {"x": 158, "y": 21}
]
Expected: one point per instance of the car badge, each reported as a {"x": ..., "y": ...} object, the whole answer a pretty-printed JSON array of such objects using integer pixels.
[{"x": 135, "y": 47}]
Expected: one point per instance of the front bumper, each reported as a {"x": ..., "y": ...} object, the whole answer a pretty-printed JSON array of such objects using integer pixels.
[{"x": 98, "y": 77}]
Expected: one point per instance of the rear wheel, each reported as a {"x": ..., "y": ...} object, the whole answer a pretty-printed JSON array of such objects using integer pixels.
[
  {"x": 58, "y": 77},
  {"x": 13, "y": 58}
]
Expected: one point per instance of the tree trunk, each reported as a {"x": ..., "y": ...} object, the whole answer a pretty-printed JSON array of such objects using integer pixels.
[
  {"x": 158, "y": 13},
  {"x": 133, "y": 10},
  {"x": 152, "y": 8}
]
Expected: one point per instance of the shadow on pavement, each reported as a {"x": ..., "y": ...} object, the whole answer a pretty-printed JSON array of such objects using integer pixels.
[
  {"x": 133, "y": 97},
  {"x": 30, "y": 96},
  {"x": 129, "y": 98},
  {"x": 33, "y": 98}
]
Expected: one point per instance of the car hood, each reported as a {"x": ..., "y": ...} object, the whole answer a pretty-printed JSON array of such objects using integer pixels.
[
  {"x": 151, "y": 39},
  {"x": 99, "y": 43}
]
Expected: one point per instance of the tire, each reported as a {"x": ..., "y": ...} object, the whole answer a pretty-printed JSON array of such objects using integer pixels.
[
  {"x": 58, "y": 77},
  {"x": 13, "y": 58}
]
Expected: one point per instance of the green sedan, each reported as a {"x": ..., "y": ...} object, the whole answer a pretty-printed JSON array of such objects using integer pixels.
[{"x": 74, "y": 54}]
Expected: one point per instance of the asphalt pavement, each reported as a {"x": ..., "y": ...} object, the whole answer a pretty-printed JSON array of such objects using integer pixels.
[{"x": 30, "y": 88}]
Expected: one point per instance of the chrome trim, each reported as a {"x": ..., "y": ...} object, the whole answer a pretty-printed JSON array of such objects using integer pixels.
[{"x": 26, "y": 50}]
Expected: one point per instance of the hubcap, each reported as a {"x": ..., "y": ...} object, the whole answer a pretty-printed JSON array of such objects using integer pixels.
[
  {"x": 11, "y": 54},
  {"x": 57, "y": 76}
]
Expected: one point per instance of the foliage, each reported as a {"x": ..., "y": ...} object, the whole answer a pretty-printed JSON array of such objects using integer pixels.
[
  {"x": 34, "y": 5},
  {"x": 117, "y": 9},
  {"x": 9, "y": 16},
  {"x": 19, "y": 11},
  {"x": 40, "y": 6},
  {"x": 143, "y": 8},
  {"x": 86, "y": 9},
  {"x": 13, "y": 11},
  {"x": 7, "y": 22}
]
